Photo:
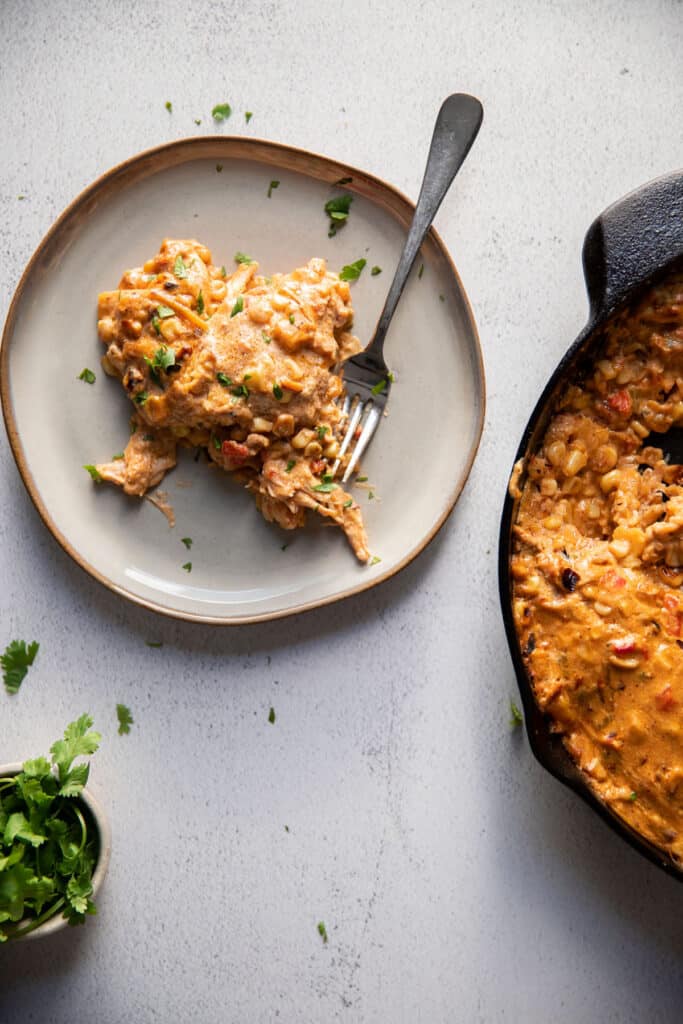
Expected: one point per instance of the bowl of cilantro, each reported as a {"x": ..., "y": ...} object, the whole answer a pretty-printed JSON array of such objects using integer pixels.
[{"x": 55, "y": 840}]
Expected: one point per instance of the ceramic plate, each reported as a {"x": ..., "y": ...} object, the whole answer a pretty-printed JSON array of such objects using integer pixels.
[{"x": 243, "y": 569}]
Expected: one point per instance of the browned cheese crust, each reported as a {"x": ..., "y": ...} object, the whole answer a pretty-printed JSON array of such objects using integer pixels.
[
  {"x": 240, "y": 365},
  {"x": 597, "y": 569}
]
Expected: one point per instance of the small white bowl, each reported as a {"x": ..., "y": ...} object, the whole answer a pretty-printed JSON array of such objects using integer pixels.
[{"x": 56, "y": 923}]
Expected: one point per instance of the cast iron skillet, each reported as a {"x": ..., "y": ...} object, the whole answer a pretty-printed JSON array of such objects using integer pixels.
[{"x": 630, "y": 245}]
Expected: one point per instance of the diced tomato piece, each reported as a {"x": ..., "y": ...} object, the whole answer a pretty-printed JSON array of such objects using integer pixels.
[
  {"x": 620, "y": 401},
  {"x": 318, "y": 467},
  {"x": 237, "y": 453},
  {"x": 625, "y": 646},
  {"x": 665, "y": 699},
  {"x": 671, "y": 602}
]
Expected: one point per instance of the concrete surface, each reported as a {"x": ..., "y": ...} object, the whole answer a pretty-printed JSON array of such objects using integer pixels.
[{"x": 457, "y": 881}]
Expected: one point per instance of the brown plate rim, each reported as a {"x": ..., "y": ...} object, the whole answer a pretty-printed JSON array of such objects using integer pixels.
[{"x": 290, "y": 158}]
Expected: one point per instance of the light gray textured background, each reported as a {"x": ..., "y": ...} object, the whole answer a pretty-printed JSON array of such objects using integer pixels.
[{"x": 457, "y": 880}]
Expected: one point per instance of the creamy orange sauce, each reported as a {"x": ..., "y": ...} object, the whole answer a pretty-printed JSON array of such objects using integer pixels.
[
  {"x": 598, "y": 565},
  {"x": 241, "y": 365}
]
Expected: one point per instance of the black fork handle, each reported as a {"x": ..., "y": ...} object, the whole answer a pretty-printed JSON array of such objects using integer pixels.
[{"x": 456, "y": 128}]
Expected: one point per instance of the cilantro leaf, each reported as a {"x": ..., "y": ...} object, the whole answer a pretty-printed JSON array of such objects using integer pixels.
[
  {"x": 78, "y": 740},
  {"x": 16, "y": 661},
  {"x": 140, "y": 398},
  {"x": 291, "y": 463},
  {"x": 78, "y": 891},
  {"x": 164, "y": 358},
  {"x": 516, "y": 717},
  {"x": 337, "y": 210},
  {"x": 380, "y": 387},
  {"x": 187, "y": 541},
  {"x": 200, "y": 303},
  {"x": 375, "y": 271},
  {"x": 87, "y": 375},
  {"x": 179, "y": 267},
  {"x": 19, "y": 827},
  {"x": 164, "y": 312},
  {"x": 94, "y": 472},
  {"x": 169, "y": 106},
  {"x": 223, "y": 379},
  {"x": 271, "y": 716},
  {"x": 273, "y": 184},
  {"x": 326, "y": 487},
  {"x": 187, "y": 567},
  {"x": 420, "y": 271},
  {"x": 248, "y": 116},
  {"x": 277, "y": 391},
  {"x": 241, "y": 257},
  {"x": 221, "y": 112},
  {"x": 322, "y": 931},
  {"x": 238, "y": 307},
  {"x": 375, "y": 560},
  {"x": 352, "y": 271},
  {"x": 125, "y": 718}
]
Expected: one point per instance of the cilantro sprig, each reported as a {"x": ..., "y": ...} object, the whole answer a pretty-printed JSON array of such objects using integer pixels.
[
  {"x": 16, "y": 661},
  {"x": 125, "y": 719},
  {"x": 352, "y": 271},
  {"x": 337, "y": 209},
  {"x": 164, "y": 359},
  {"x": 47, "y": 849}
]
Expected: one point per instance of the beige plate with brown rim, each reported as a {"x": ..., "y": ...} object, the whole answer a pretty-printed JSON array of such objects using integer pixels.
[{"x": 243, "y": 569}]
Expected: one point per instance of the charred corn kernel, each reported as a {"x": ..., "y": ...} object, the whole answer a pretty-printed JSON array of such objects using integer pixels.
[
  {"x": 548, "y": 487},
  {"x": 574, "y": 462},
  {"x": 619, "y": 548},
  {"x": 633, "y": 536},
  {"x": 605, "y": 458},
  {"x": 291, "y": 385},
  {"x": 284, "y": 425},
  {"x": 300, "y": 440},
  {"x": 261, "y": 425},
  {"x": 331, "y": 450},
  {"x": 552, "y": 523},
  {"x": 609, "y": 481},
  {"x": 556, "y": 453},
  {"x": 607, "y": 369},
  {"x": 639, "y": 429},
  {"x": 313, "y": 450}
]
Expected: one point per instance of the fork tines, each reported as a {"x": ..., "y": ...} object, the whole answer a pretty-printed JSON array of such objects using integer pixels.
[{"x": 367, "y": 390}]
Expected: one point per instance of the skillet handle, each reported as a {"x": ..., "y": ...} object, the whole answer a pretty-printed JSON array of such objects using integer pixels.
[{"x": 631, "y": 240}]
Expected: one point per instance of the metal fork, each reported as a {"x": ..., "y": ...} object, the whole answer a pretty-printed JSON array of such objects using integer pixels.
[{"x": 366, "y": 375}]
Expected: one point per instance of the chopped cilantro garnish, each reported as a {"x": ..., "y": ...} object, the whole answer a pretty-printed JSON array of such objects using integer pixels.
[
  {"x": 375, "y": 560},
  {"x": 271, "y": 716},
  {"x": 154, "y": 643},
  {"x": 349, "y": 503},
  {"x": 441, "y": 298},
  {"x": 164, "y": 312},
  {"x": 219, "y": 168},
  {"x": 361, "y": 479},
  {"x": 87, "y": 375},
  {"x": 291, "y": 318},
  {"x": 188, "y": 567},
  {"x": 187, "y": 541},
  {"x": 169, "y": 106},
  {"x": 148, "y": 437},
  {"x": 156, "y": 324},
  {"x": 321, "y": 431},
  {"x": 380, "y": 387},
  {"x": 125, "y": 718},
  {"x": 375, "y": 271},
  {"x": 221, "y": 111},
  {"x": 241, "y": 257},
  {"x": 516, "y": 717},
  {"x": 223, "y": 379},
  {"x": 238, "y": 307},
  {"x": 420, "y": 271},
  {"x": 337, "y": 210},
  {"x": 94, "y": 473},
  {"x": 16, "y": 661},
  {"x": 326, "y": 486},
  {"x": 266, "y": 338},
  {"x": 371, "y": 496},
  {"x": 197, "y": 120},
  {"x": 352, "y": 271},
  {"x": 216, "y": 443},
  {"x": 277, "y": 391},
  {"x": 322, "y": 931},
  {"x": 141, "y": 397},
  {"x": 164, "y": 358},
  {"x": 117, "y": 457},
  {"x": 248, "y": 116},
  {"x": 179, "y": 268},
  {"x": 633, "y": 796},
  {"x": 241, "y": 391},
  {"x": 224, "y": 272},
  {"x": 291, "y": 463},
  {"x": 273, "y": 184},
  {"x": 200, "y": 303}
]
